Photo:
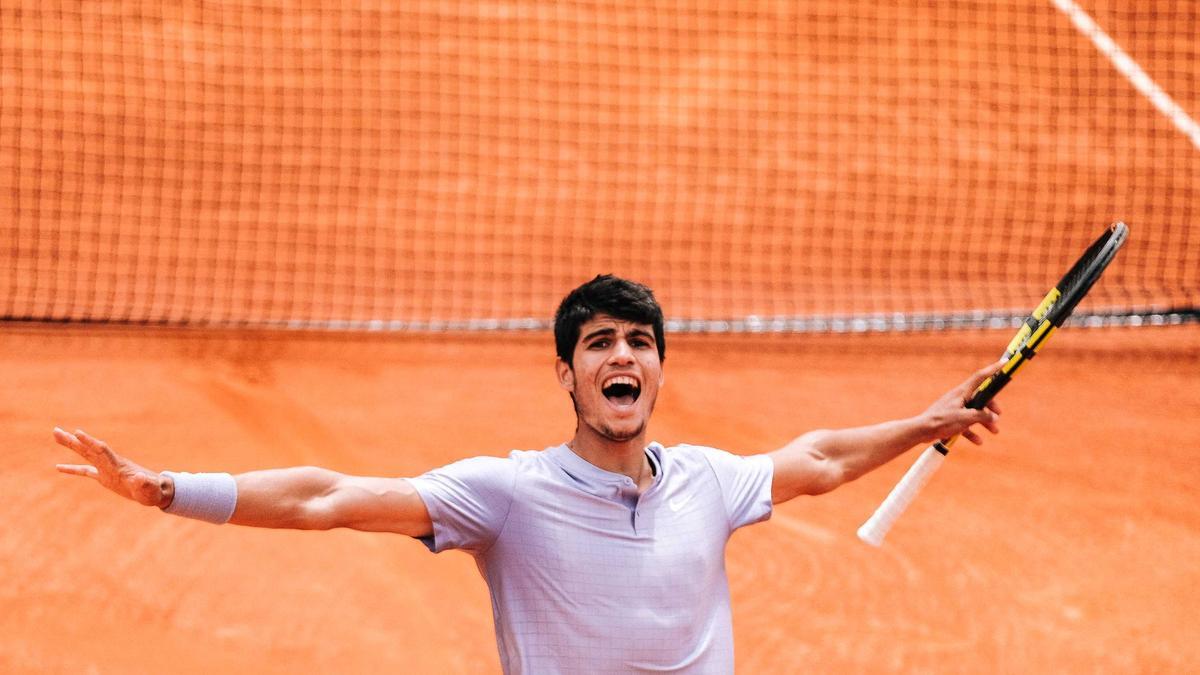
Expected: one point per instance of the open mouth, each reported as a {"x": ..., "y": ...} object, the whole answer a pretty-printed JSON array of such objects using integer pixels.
[{"x": 622, "y": 390}]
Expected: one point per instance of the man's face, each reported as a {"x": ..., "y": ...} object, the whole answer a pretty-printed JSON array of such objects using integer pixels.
[{"x": 615, "y": 378}]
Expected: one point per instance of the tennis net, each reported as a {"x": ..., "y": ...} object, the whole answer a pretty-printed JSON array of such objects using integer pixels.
[{"x": 807, "y": 166}]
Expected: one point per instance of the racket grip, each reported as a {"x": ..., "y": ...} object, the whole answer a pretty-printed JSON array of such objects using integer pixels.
[{"x": 876, "y": 528}]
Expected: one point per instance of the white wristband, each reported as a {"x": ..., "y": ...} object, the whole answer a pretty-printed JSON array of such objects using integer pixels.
[{"x": 210, "y": 497}]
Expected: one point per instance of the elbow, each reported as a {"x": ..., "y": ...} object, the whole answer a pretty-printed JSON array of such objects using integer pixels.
[
  {"x": 320, "y": 509},
  {"x": 829, "y": 472},
  {"x": 805, "y": 467},
  {"x": 830, "y": 475},
  {"x": 313, "y": 517},
  {"x": 316, "y": 509}
]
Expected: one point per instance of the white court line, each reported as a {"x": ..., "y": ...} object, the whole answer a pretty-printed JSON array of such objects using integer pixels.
[{"x": 1131, "y": 70}]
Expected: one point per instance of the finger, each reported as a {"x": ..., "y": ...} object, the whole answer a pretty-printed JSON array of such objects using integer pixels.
[
  {"x": 99, "y": 447},
  {"x": 972, "y": 436},
  {"x": 985, "y": 418},
  {"x": 78, "y": 470},
  {"x": 70, "y": 441},
  {"x": 991, "y": 424},
  {"x": 982, "y": 374},
  {"x": 88, "y": 440},
  {"x": 993, "y": 406}
]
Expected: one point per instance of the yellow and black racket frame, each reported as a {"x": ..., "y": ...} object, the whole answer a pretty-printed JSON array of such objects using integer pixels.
[{"x": 1049, "y": 315}]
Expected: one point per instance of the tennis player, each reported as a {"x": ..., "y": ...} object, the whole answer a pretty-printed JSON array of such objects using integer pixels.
[{"x": 605, "y": 554}]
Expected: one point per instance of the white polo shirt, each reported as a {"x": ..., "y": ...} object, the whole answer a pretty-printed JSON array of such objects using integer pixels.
[{"x": 585, "y": 576}]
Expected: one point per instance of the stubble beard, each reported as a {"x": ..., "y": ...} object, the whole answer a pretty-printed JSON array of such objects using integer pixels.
[
  {"x": 611, "y": 434},
  {"x": 607, "y": 432}
]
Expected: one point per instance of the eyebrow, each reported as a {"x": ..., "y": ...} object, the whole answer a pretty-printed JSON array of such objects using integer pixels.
[
  {"x": 598, "y": 333},
  {"x": 605, "y": 332},
  {"x": 638, "y": 332}
]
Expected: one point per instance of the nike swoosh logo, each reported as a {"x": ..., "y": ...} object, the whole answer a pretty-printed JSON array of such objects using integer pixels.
[{"x": 676, "y": 503}]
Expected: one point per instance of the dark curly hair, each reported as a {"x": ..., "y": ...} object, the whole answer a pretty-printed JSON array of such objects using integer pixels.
[{"x": 606, "y": 294}]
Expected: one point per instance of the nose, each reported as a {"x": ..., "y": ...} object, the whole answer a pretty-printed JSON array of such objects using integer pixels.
[{"x": 621, "y": 354}]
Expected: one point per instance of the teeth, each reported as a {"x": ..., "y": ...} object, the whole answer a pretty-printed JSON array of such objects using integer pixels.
[{"x": 622, "y": 379}]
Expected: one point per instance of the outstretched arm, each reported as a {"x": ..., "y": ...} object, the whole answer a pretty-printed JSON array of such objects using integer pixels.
[
  {"x": 820, "y": 461},
  {"x": 304, "y": 498}
]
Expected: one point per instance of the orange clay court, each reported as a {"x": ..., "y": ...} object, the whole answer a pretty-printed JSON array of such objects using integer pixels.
[
  {"x": 247, "y": 235},
  {"x": 1066, "y": 544}
]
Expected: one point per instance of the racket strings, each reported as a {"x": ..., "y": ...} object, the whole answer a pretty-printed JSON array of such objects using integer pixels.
[{"x": 1086, "y": 271}]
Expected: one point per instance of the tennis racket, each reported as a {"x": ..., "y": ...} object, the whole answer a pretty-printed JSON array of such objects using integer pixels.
[{"x": 1036, "y": 329}]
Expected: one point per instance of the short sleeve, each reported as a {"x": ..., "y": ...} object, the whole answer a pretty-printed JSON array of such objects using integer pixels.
[
  {"x": 745, "y": 483},
  {"x": 468, "y": 502}
]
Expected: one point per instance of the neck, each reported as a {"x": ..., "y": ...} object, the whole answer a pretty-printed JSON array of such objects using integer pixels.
[{"x": 624, "y": 457}]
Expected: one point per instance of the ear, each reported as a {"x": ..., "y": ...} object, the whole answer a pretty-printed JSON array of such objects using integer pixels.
[{"x": 566, "y": 376}]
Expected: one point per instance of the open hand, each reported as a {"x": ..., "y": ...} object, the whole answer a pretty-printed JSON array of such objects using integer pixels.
[
  {"x": 948, "y": 417},
  {"x": 117, "y": 473}
]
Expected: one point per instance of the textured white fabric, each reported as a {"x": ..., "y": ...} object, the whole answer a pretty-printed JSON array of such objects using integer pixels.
[
  {"x": 211, "y": 497},
  {"x": 587, "y": 576}
]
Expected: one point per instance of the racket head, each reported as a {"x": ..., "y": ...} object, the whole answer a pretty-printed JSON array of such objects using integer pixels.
[
  {"x": 1054, "y": 309},
  {"x": 1083, "y": 274}
]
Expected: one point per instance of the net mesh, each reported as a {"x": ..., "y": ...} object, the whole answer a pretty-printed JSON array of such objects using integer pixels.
[{"x": 466, "y": 163}]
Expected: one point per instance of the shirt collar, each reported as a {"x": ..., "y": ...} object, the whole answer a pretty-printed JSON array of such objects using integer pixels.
[{"x": 590, "y": 474}]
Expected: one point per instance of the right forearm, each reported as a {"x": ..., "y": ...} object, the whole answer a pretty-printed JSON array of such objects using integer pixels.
[
  {"x": 283, "y": 498},
  {"x": 306, "y": 498}
]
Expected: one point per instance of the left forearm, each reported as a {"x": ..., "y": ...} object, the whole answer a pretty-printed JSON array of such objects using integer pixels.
[
  {"x": 861, "y": 449},
  {"x": 820, "y": 461}
]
